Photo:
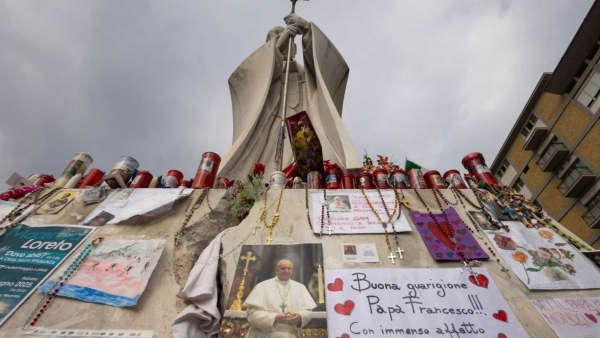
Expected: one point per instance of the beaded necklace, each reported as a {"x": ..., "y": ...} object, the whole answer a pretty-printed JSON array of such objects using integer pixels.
[
  {"x": 24, "y": 205},
  {"x": 390, "y": 221},
  {"x": 467, "y": 265},
  {"x": 189, "y": 212},
  {"x": 322, "y": 213},
  {"x": 263, "y": 215},
  {"x": 53, "y": 290}
]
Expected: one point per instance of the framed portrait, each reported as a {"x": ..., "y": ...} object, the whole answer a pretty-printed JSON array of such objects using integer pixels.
[{"x": 339, "y": 203}]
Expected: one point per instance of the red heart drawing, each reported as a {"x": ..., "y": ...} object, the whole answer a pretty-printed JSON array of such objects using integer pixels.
[
  {"x": 501, "y": 315},
  {"x": 344, "y": 309},
  {"x": 345, "y": 335},
  {"x": 481, "y": 279},
  {"x": 592, "y": 317},
  {"x": 502, "y": 335},
  {"x": 337, "y": 285},
  {"x": 456, "y": 222},
  {"x": 437, "y": 232}
]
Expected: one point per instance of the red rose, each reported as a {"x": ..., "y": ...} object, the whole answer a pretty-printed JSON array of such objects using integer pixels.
[
  {"x": 505, "y": 243},
  {"x": 259, "y": 169}
]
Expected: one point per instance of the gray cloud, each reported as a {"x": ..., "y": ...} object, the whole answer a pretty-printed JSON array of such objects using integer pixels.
[{"x": 431, "y": 81}]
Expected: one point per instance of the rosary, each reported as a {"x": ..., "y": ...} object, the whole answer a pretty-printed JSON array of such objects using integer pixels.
[
  {"x": 18, "y": 210},
  {"x": 323, "y": 207},
  {"x": 189, "y": 212},
  {"x": 263, "y": 215}
]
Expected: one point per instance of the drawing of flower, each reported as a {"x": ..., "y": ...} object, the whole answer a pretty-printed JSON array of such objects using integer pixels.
[
  {"x": 556, "y": 275},
  {"x": 522, "y": 258},
  {"x": 571, "y": 269},
  {"x": 547, "y": 234},
  {"x": 505, "y": 243}
]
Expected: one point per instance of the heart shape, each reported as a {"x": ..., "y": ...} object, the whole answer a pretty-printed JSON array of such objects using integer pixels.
[
  {"x": 435, "y": 247},
  {"x": 344, "y": 309},
  {"x": 439, "y": 254},
  {"x": 462, "y": 246},
  {"x": 437, "y": 232},
  {"x": 462, "y": 231},
  {"x": 502, "y": 335},
  {"x": 478, "y": 254},
  {"x": 481, "y": 279},
  {"x": 429, "y": 238},
  {"x": 592, "y": 317},
  {"x": 473, "y": 248},
  {"x": 337, "y": 285},
  {"x": 500, "y": 315},
  {"x": 456, "y": 222},
  {"x": 420, "y": 224},
  {"x": 438, "y": 241},
  {"x": 345, "y": 335},
  {"x": 450, "y": 254}
]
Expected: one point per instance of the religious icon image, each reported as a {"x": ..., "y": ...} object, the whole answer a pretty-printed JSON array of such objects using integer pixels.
[
  {"x": 277, "y": 291},
  {"x": 492, "y": 205},
  {"x": 479, "y": 218},
  {"x": 339, "y": 203},
  {"x": 207, "y": 165},
  {"x": 57, "y": 203},
  {"x": 593, "y": 256},
  {"x": 454, "y": 180},
  {"x": 100, "y": 219},
  {"x": 349, "y": 249},
  {"x": 72, "y": 168},
  {"x": 119, "y": 198}
]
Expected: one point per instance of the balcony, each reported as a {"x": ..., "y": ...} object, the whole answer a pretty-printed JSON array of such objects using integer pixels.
[
  {"x": 576, "y": 182},
  {"x": 553, "y": 157},
  {"x": 592, "y": 215},
  {"x": 536, "y": 138}
]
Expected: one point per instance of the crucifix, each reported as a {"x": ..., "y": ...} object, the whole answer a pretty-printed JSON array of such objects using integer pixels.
[
  {"x": 400, "y": 251},
  {"x": 392, "y": 256},
  {"x": 237, "y": 303},
  {"x": 283, "y": 306},
  {"x": 329, "y": 228},
  {"x": 269, "y": 239}
]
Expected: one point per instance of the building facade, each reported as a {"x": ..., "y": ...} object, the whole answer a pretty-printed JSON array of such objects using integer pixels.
[{"x": 552, "y": 154}]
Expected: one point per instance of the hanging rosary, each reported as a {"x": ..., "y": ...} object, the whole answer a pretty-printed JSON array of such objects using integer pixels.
[
  {"x": 391, "y": 221},
  {"x": 263, "y": 215},
  {"x": 53, "y": 290},
  {"x": 476, "y": 227},
  {"x": 18, "y": 210},
  {"x": 189, "y": 212},
  {"x": 322, "y": 213}
]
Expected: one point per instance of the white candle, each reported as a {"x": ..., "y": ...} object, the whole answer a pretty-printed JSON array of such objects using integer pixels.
[{"x": 321, "y": 289}]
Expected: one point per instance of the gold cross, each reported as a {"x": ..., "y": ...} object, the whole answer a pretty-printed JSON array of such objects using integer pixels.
[
  {"x": 405, "y": 203},
  {"x": 269, "y": 239}
]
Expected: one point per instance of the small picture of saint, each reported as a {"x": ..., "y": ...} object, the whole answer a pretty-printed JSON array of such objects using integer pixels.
[
  {"x": 339, "y": 203},
  {"x": 100, "y": 219},
  {"x": 481, "y": 220},
  {"x": 593, "y": 256},
  {"x": 277, "y": 288},
  {"x": 492, "y": 205},
  {"x": 350, "y": 250},
  {"x": 207, "y": 165},
  {"x": 119, "y": 198},
  {"x": 57, "y": 203}
]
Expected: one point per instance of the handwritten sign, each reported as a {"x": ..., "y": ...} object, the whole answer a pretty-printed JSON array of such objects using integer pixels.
[
  {"x": 571, "y": 317},
  {"x": 350, "y": 213},
  {"x": 417, "y": 302}
]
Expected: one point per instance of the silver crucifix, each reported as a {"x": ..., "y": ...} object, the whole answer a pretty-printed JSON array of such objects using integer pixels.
[
  {"x": 400, "y": 251},
  {"x": 392, "y": 256}
]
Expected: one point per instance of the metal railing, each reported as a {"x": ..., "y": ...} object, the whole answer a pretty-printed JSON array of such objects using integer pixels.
[
  {"x": 576, "y": 171},
  {"x": 592, "y": 214},
  {"x": 550, "y": 151}
]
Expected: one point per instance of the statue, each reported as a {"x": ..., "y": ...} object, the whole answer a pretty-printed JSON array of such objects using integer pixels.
[{"x": 317, "y": 87}]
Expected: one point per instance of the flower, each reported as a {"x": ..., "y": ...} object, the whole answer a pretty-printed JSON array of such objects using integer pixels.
[
  {"x": 259, "y": 169},
  {"x": 547, "y": 234},
  {"x": 556, "y": 274},
  {"x": 540, "y": 257},
  {"x": 571, "y": 269},
  {"x": 505, "y": 243},
  {"x": 520, "y": 256}
]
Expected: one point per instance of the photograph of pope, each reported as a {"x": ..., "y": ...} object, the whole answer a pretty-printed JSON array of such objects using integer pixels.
[{"x": 279, "y": 306}]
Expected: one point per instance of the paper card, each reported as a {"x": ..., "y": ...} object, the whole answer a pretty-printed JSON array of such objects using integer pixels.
[
  {"x": 119, "y": 197},
  {"x": 25, "y": 261},
  {"x": 359, "y": 253},
  {"x": 147, "y": 202},
  {"x": 58, "y": 202},
  {"x": 16, "y": 180},
  {"x": 350, "y": 213},
  {"x": 115, "y": 273},
  {"x": 417, "y": 302},
  {"x": 441, "y": 247},
  {"x": 571, "y": 317},
  {"x": 542, "y": 259}
]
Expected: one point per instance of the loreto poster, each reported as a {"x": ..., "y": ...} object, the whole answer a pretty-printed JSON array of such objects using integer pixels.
[
  {"x": 115, "y": 273},
  {"x": 28, "y": 255},
  {"x": 417, "y": 302},
  {"x": 571, "y": 317},
  {"x": 542, "y": 259},
  {"x": 124, "y": 204},
  {"x": 350, "y": 213}
]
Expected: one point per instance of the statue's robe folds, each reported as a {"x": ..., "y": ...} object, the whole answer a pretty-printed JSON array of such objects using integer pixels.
[
  {"x": 318, "y": 88},
  {"x": 264, "y": 303}
]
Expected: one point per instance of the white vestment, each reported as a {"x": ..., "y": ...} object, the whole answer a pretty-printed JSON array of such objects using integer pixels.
[
  {"x": 318, "y": 88},
  {"x": 264, "y": 303}
]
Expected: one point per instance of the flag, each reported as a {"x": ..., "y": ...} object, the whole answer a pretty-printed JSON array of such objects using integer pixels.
[{"x": 408, "y": 165}]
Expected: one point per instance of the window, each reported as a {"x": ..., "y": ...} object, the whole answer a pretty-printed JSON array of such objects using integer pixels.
[
  {"x": 576, "y": 170},
  {"x": 592, "y": 214},
  {"x": 502, "y": 169},
  {"x": 526, "y": 169},
  {"x": 588, "y": 96},
  {"x": 518, "y": 185},
  {"x": 529, "y": 126}
]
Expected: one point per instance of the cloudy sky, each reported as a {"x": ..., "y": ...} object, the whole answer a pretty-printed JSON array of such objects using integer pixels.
[{"x": 429, "y": 80}]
